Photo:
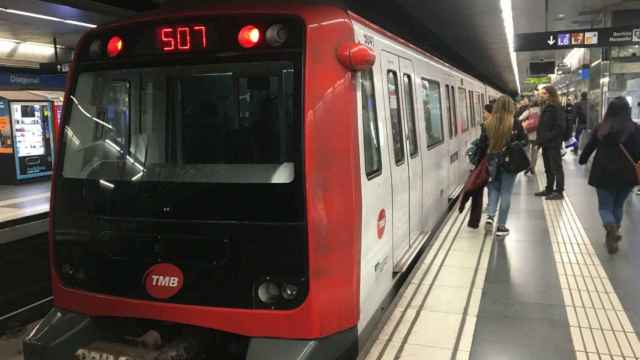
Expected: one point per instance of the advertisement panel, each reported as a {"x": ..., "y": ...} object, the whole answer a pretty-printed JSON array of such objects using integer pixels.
[
  {"x": 6, "y": 140},
  {"x": 32, "y": 134}
]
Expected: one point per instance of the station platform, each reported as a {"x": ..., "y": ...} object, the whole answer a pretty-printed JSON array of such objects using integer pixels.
[
  {"x": 547, "y": 291},
  {"x": 21, "y": 203},
  {"x": 23, "y": 211},
  {"x": 24, "y": 259}
]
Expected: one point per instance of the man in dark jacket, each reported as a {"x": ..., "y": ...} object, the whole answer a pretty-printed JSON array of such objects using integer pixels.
[{"x": 549, "y": 136}]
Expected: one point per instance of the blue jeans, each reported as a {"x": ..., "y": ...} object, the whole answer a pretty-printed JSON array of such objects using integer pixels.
[
  {"x": 611, "y": 204},
  {"x": 500, "y": 190}
]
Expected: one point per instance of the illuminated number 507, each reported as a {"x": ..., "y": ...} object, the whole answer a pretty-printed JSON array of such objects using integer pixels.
[{"x": 180, "y": 38}]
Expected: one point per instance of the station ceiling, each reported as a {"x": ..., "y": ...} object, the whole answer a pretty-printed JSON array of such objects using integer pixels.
[{"x": 468, "y": 33}]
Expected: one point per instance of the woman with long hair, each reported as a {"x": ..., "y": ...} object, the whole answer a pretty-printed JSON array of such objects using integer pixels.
[
  {"x": 500, "y": 133},
  {"x": 550, "y": 132},
  {"x": 616, "y": 141}
]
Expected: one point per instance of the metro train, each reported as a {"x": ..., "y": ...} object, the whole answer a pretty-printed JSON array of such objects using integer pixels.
[{"x": 245, "y": 182}]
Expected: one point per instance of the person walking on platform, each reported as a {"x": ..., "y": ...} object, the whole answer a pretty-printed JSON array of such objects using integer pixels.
[
  {"x": 502, "y": 135},
  {"x": 550, "y": 132},
  {"x": 581, "y": 109},
  {"x": 570, "y": 115},
  {"x": 613, "y": 173}
]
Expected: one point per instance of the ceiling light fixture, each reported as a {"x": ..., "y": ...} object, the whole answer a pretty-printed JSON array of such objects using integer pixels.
[
  {"x": 507, "y": 18},
  {"x": 46, "y": 17},
  {"x": 14, "y": 41}
]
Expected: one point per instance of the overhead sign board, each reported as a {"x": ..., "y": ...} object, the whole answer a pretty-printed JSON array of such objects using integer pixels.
[
  {"x": 586, "y": 38},
  {"x": 537, "y": 80}
]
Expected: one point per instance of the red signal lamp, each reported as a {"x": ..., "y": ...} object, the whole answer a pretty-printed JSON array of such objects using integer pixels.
[
  {"x": 249, "y": 36},
  {"x": 115, "y": 46},
  {"x": 356, "y": 57}
]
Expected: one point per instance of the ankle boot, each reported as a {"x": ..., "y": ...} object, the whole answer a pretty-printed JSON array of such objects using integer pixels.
[
  {"x": 610, "y": 238},
  {"x": 618, "y": 235}
]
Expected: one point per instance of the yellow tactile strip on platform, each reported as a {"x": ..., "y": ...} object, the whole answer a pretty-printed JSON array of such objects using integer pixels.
[
  {"x": 600, "y": 327},
  {"x": 435, "y": 317}
]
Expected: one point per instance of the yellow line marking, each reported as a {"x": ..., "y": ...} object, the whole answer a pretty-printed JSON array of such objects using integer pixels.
[{"x": 599, "y": 326}]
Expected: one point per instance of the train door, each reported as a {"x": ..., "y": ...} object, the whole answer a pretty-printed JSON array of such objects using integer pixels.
[
  {"x": 413, "y": 150},
  {"x": 399, "y": 163},
  {"x": 463, "y": 139},
  {"x": 453, "y": 141}
]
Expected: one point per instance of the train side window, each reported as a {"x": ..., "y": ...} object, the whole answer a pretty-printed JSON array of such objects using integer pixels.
[
  {"x": 449, "y": 111},
  {"x": 454, "y": 111},
  {"x": 479, "y": 112},
  {"x": 410, "y": 114},
  {"x": 394, "y": 113},
  {"x": 431, "y": 104},
  {"x": 464, "y": 111},
  {"x": 370, "y": 132},
  {"x": 472, "y": 109}
]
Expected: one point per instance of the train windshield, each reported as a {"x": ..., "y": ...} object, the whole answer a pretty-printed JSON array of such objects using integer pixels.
[{"x": 224, "y": 123}]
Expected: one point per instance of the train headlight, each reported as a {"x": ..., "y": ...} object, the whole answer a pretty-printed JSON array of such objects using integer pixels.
[
  {"x": 249, "y": 36},
  {"x": 268, "y": 292},
  {"x": 115, "y": 46},
  {"x": 277, "y": 35},
  {"x": 289, "y": 292}
]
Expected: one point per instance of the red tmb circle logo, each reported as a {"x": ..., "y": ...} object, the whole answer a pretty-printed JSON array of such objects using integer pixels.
[
  {"x": 163, "y": 281},
  {"x": 382, "y": 223}
]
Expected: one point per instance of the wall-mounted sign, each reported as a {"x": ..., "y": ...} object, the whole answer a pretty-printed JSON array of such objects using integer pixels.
[
  {"x": 537, "y": 80},
  {"x": 586, "y": 38},
  {"x": 10, "y": 80}
]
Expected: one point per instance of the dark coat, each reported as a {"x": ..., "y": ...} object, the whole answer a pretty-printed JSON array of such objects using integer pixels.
[
  {"x": 582, "y": 109},
  {"x": 551, "y": 127},
  {"x": 611, "y": 169}
]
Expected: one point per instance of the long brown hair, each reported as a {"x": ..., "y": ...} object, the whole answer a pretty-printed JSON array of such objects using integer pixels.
[
  {"x": 554, "y": 98},
  {"x": 500, "y": 125}
]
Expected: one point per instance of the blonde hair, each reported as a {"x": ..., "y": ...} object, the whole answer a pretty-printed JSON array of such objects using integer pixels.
[{"x": 500, "y": 126}]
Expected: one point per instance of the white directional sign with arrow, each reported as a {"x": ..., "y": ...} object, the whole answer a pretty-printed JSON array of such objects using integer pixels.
[{"x": 584, "y": 38}]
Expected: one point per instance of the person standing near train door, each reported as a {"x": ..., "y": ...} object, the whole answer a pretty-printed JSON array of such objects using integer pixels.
[
  {"x": 550, "y": 132},
  {"x": 502, "y": 135}
]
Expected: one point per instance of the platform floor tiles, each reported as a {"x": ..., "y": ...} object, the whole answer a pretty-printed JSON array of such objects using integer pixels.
[
  {"x": 547, "y": 291},
  {"x": 23, "y": 200}
]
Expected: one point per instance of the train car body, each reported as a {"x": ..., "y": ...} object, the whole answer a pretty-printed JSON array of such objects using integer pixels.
[{"x": 238, "y": 182}]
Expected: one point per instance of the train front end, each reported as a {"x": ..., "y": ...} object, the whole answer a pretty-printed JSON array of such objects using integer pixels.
[{"x": 197, "y": 210}]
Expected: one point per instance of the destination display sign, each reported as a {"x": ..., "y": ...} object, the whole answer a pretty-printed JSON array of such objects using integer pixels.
[
  {"x": 586, "y": 38},
  {"x": 537, "y": 80}
]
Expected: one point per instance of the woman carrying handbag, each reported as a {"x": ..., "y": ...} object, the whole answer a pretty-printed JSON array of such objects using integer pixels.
[
  {"x": 479, "y": 177},
  {"x": 614, "y": 169},
  {"x": 505, "y": 141}
]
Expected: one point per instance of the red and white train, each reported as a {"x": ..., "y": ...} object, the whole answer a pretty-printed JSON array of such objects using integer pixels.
[{"x": 245, "y": 183}]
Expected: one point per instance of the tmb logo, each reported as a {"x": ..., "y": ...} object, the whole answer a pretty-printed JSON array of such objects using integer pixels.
[{"x": 163, "y": 281}]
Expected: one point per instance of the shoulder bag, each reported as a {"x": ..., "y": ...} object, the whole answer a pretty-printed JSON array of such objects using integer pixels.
[
  {"x": 515, "y": 159},
  {"x": 636, "y": 165},
  {"x": 479, "y": 177}
]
